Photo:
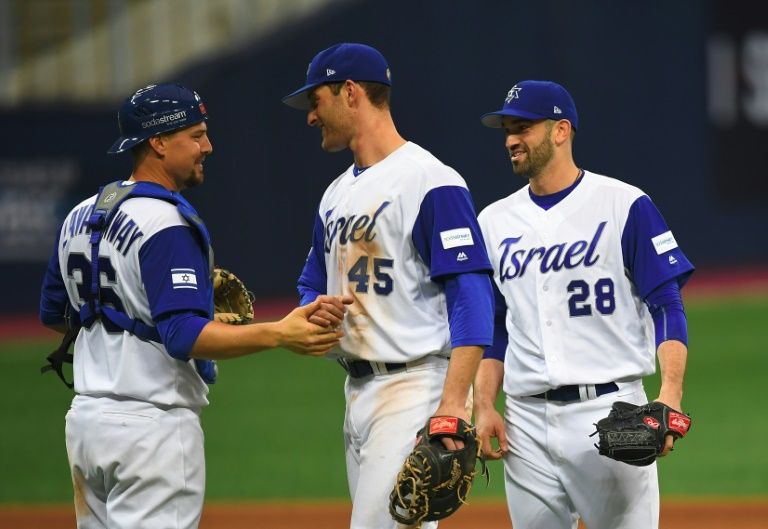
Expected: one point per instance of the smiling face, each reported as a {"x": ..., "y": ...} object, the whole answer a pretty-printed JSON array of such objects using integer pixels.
[
  {"x": 529, "y": 144},
  {"x": 329, "y": 112},
  {"x": 184, "y": 153}
]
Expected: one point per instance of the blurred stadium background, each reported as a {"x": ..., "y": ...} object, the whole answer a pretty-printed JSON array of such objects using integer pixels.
[{"x": 672, "y": 97}]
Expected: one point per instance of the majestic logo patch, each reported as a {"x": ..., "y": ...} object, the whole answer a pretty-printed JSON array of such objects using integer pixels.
[
  {"x": 664, "y": 242},
  {"x": 461, "y": 257},
  {"x": 457, "y": 237},
  {"x": 184, "y": 278}
]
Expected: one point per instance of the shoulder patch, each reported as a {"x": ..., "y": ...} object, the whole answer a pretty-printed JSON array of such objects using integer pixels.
[
  {"x": 664, "y": 242},
  {"x": 456, "y": 237}
]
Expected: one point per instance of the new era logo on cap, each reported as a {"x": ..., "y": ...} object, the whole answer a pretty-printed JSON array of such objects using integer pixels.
[{"x": 329, "y": 72}]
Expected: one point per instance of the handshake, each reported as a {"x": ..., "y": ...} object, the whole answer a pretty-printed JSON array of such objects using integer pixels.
[{"x": 313, "y": 329}]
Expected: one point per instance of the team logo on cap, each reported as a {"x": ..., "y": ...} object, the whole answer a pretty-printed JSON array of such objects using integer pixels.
[{"x": 514, "y": 93}]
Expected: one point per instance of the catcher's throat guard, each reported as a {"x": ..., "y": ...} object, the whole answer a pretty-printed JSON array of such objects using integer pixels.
[{"x": 434, "y": 481}]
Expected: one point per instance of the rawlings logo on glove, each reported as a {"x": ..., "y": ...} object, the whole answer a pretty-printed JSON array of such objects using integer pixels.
[
  {"x": 232, "y": 301},
  {"x": 636, "y": 434},
  {"x": 434, "y": 481}
]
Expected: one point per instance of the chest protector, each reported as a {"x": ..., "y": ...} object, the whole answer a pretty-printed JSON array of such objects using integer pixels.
[{"x": 107, "y": 204}]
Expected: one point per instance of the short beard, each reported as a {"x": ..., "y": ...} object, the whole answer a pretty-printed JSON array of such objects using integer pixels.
[
  {"x": 538, "y": 158},
  {"x": 193, "y": 180}
]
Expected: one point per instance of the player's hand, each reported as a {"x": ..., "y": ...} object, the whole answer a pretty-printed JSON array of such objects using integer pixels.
[
  {"x": 490, "y": 425},
  {"x": 298, "y": 334},
  {"x": 331, "y": 310}
]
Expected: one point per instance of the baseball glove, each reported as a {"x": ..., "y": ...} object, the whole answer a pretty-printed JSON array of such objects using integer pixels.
[
  {"x": 232, "y": 301},
  {"x": 434, "y": 481},
  {"x": 635, "y": 434}
]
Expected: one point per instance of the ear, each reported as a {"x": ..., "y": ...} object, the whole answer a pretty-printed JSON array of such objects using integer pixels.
[
  {"x": 352, "y": 92},
  {"x": 158, "y": 144},
  {"x": 561, "y": 132}
]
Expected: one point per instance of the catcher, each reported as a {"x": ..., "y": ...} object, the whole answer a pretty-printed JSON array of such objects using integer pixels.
[{"x": 435, "y": 480}]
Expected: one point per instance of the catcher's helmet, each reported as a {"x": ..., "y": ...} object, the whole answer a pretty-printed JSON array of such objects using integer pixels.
[{"x": 155, "y": 109}]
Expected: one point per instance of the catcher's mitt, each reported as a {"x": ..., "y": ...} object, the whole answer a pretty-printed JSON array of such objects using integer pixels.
[
  {"x": 435, "y": 481},
  {"x": 232, "y": 302},
  {"x": 635, "y": 434}
]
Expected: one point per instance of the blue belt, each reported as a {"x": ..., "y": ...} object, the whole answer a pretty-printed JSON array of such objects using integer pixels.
[
  {"x": 361, "y": 368},
  {"x": 571, "y": 393}
]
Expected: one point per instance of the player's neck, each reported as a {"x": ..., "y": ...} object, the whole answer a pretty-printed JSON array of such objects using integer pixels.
[
  {"x": 147, "y": 173},
  {"x": 554, "y": 178},
  {"x": 376, "y": 138}
]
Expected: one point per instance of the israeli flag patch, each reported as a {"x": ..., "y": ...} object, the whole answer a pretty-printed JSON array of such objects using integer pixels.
[
  {"x": 457, "y": 237},
  {"x": 664, "y": 242},
  {"x": 184, "y": 278}
]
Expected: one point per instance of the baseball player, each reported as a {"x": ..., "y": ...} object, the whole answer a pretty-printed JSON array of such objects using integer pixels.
[
  {"x": 396, "y": 231},
  {"x": 588, "y": 279},
  {"x": 138, "y": 281}
]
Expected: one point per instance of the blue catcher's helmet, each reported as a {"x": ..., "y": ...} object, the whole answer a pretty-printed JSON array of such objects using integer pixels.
[{"x": 156, "y": 109}]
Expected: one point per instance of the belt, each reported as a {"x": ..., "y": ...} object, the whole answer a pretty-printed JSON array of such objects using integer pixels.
[
  {"x": 363, "y": 368},
  {"x": 582, "y": 392}
]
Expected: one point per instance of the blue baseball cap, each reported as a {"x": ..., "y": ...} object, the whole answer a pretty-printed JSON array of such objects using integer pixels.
[
  {"x": 535, "y": 100},
  {"x": 348, "y": 60},
  {"x": 156, "y": 109}
]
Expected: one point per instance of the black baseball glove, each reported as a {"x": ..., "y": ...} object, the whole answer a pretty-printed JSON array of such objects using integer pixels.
[
  {"x": 434, "y": 481},
  {"x": 636, "y": 434}
]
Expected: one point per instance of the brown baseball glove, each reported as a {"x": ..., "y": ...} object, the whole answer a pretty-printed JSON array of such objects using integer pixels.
[{"x": 232, "y": 301}]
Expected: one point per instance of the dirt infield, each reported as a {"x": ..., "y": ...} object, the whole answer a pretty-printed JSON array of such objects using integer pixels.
[{"x": 694, "y": 514}]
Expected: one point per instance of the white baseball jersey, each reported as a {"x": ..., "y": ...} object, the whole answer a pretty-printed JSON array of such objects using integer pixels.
[
  {"x": 382, "y": 236},
  {"x": 146, "y": 270},
  {"x": 574, "y": 278}
]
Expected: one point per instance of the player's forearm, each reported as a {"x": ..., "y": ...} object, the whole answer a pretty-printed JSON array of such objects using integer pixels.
[
  {"x": 219, "y": 341},
  {"x": 461, "y": 373},
  {"x": 490, "y": 374},
  {"x": 672, "y": 359}
]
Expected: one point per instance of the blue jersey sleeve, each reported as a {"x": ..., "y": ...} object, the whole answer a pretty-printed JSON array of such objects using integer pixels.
[
  {"x": 666, "y": 308},
  {"x": 469, "y": 298},
  {"x": 53, "y": 294},
  {"x": 179, "y": 332},
  {"x": 446, "y": 233},
  {"x": 314, "y": 279},
  {"x": 498, "y": 349},
  {"x": 175, "y": 273},
  {"x": 650, "y": 251}
]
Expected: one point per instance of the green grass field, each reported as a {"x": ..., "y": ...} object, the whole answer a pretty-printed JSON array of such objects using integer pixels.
[{"x": 274, "y": 427}]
